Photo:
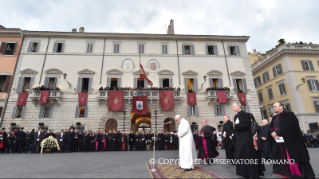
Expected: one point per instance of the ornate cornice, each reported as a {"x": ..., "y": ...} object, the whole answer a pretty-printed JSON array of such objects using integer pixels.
[
  {"x": 114, "y": 72},
  {"x": 190, "y": 72},
  {"x": 215, "y": 73},
  {"x": 53, "y": 71},
  {"x": 165, "y": 72},
  {"x": 28, "y": 71},
  {"x": 86, "y": 71}
]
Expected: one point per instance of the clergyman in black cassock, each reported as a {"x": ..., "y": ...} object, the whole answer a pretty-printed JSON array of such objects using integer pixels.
[
  {"x": 286, "y": 125},
  {"x": 119, "y": 141},
  {"x": 206, "y": 143},
  {"x": 160, "y": 141},
  {"x": 227, "y": 142},
  {"x": 244, "y": 144},
  {"x": 265, "y": 145},
  {"x": 136, "y": 142},
  {"x": 131, "y": 139}
]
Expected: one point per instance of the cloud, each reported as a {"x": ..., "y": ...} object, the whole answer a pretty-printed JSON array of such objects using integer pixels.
[{"x": 265, "y": 21}]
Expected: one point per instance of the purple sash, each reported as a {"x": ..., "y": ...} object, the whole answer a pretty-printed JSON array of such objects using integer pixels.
[
  {"x": 204, "y": 146},
  {"x": 104, "y": 143},
  {"x": 96, "y": 145}
]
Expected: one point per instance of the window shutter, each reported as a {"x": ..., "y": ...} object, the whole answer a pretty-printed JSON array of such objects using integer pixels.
[
  {"x": 143, "y": 48},
  {"x": 316, "y": 106},
  {"x": 14, "y": 112},
  {"x": 235, "y": 85},
  {"x": 220, "y": 81},
  {"x": 1, "y": 108},
  {"x": 90, "y": 85},
  {"x": 223, "y": 109},
  {"x": 196, "y": 85},
  {"x": 160, "y": 82},
  {"x": 88, "y": 48},
  {"x": 244, "y": 85},
  {"x": 55, "y": 81},
  {"x": 264, "y": 77},
  {"x": 114, "y": 48},
  {"x": 303, "y": 64},
  {"x": 50, "y": 111},
  {"x": 171, "y": 82},
  {"x": 215, "y": 110},
  {"x": 78, "y": 89},
  {"x": 15, "y": 48},
  {"x": 31, "y": 84},
  {"x": 228, "y": 48},
  {"x": 20, "y": 83},
  {"x": 163, "y": 49},
  {"x": 77, "y": 110},
  {"x": 62, "y": 49},
  {"x": 274, "y": 71},
  {"x": 54, "y": 47},
  {"x": 247, "y": 109},
  {"x": 185, "y": 84},
  {"x": 311, "y": 65},
  {"x": 119, "y": 81},
  {"x": 193, "y": 49},
  {"x": 215, "y": 50},
  {"x": 7, "y": 84},
  {"x": 207, "y": 50},
  {"x": 135, "y": 82},
  {"x": 288, "y": 107},
  {"x": 196, "y": 110},
  {"x": 145, "y": 83},
  {"x": 317, "y": 84},
  {"x": 30, "y": 46},
  {"x": 267, "y": 76},
  {"x": 139, "y": 48},
  {"x": 270, "y": 94},
  {"x": 86, "y": 111},
  {"x": 255, "y": 82},
  {"x": 237, "y": 50},
  {"x": 46, "y": 81},
  {"x": 183, "y": 49},
  {"x": 283, "y": 88},
  {"x": 166, "y": 52},
  {"x": 3, "y": 47},
  {"x": 260, "y": 97},
  {"x": 118, "y": 48},
  {"x": 41, "y": 111},
  {"x": 91, "y": 48},
  {"x": 108, "y": 82},
  {"x": 23, "y": 112},
  {"x": 309, "y": 85},
  {"x": 210, "y": 82},
  {"x": 38, "y": 46},
  {"x": 279, "y": 69},
  {"x": 188, "y": 110}
]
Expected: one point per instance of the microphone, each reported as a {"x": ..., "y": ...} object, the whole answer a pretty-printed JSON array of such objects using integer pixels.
[{"x": 166, "y": 123}]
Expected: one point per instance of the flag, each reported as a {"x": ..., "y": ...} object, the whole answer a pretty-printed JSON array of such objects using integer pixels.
[
  {"x": 191, "y": 99},
  {"x": 44, "y": 96},
  {"x": 222, "y": 98},
  {"x": 166, "y": 99},
  {"x": 22, "y": 99},
  {"x": 83, "y": 98},
  {"x": 139, "y": 104},
  {"x": 115, "y": 100},
  {"x": 242, "y": 98},
  {"x": 143, "y": 75}
]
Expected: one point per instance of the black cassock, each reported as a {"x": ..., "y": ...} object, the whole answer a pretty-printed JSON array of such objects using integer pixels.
[
  {"x": 166, "y": 140},
  {"x": 113, "y": 141},
  {"x": 136, "y": 143},
  {"x": 245, "y": 149},
  {"x": 286, "y": 124},
  {"x": 208, "y": 132},
  {"x": 160, "y": 141},
  {"x": 265, "y": 145},
  {"x": 227, "y": 142},
  {"x": 233, "y": 143},
  {"x": 132, "y": 139},
  {"x": 119, "y": 142}
]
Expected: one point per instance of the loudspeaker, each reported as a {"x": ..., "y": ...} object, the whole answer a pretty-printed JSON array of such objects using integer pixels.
[
  {"x": 13, "y": 124},
  {"x": 221, "y": 122},
  {"x": 78, "y": 123},
  {"x": 41, "y": 124}
]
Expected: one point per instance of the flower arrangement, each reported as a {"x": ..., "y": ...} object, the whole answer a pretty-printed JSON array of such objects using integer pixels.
[{"x": 50, "y": 143}]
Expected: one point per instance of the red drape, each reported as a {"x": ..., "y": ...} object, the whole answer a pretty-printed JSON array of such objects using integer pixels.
[
  {"x": 44, "y": 96},
  {"x": 143, "y": 75},
  {"x": 191, "y": 99},
  {"x": 222, "y": 98},
  {"x": 115, "y": 100},
  {"x": 83, "y": 98},
  {"x": 242, "y": 98},
  {"x": 22, "y": 99},
  {"x": 166, "y": 99},
  {"x": 139, "y": 105}
]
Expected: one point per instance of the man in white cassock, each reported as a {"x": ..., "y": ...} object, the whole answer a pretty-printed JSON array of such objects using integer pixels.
[{"x": 187, "y": 151}]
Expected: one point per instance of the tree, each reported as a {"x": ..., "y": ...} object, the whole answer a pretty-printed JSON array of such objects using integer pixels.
[{"x": 281, "y": 41}]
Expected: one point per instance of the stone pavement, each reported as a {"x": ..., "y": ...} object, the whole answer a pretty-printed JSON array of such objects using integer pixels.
[{"x": 104, "y": 164}]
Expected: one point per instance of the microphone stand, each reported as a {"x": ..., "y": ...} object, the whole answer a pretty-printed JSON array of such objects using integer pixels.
[{"x": 154, "y": 170}]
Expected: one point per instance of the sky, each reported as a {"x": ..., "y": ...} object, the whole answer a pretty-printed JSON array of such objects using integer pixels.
[{"x": 265, "y": 21}]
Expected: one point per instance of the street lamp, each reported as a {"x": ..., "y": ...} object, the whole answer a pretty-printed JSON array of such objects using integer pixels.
[
  {"x": 155, "y": 112},
  {"x": 124, "y": 112}
]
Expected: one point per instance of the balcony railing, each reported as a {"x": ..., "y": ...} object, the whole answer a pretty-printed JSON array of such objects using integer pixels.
[
  {"x": 54, "y": 95},
  {"x": 128, "y": 94},
  {"x": 213, "y": 93}
]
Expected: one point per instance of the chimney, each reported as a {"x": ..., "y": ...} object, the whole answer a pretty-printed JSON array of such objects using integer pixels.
[
  {"x": 74, "y": 30},
  {"x": 170, "y": 29},
  {"x": 81, "y": 29}
]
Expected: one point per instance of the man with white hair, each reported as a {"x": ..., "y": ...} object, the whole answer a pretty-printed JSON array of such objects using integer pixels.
[{"x": 187, "y": 151}]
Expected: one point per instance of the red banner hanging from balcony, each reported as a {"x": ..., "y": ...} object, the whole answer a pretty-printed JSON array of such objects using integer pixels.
[
  {"x": 242, "y": 98},
  {"x": 139, "y": 105},
  {"x": 166, "y": 99},
  {"x": 191, "y": 99},
  {"x": 115, "y": 100},
  {"x": 83, "y": 99},
  {"x": 22, "y": 99},
  {"x": 44, "y": 96},
  {"x": 222, "y": 98}
]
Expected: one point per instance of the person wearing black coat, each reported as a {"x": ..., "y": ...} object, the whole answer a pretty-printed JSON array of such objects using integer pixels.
[
  {"x": 113, "y": 140},
  {"x": 227, "y": 142},
  {"x": 166, "y": 141},
  {"x": 99, "y": 138},
  {"x": 131, "y": 140},
  {"x": 160, "y": 140},
  {"x": 265, "y": 145},
  {"x": 4, "y": 140},
  {"x": 19, "y": 140},
  {"x": 12, "y": 142},
  {"x": 142, "y": 141},
  {"x": 86, "y": 141},
  {"x": 30, "y": 141},
  {"x": 195, "y": 136},
  {"x": 136, "y": 142},
  {"x": 286, "y": 125},
  {"x": 69, "y": 140},
  {"x": 118, "y": 146},
  {"x": 75, "y": 141},
  {"x": 50, "y": 133},
  {"x": 61, "y": 140},
  {"x": 92, "y": 141},
  {"x": 38, "y": 135}
]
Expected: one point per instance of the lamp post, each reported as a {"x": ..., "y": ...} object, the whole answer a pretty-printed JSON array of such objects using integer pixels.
[
  {"x": 155, "y": 112},
  {"x": 124, "y": 112}
]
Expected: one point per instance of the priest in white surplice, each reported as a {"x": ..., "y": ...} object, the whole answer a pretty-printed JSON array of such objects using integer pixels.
[{"x": 187, "y": 151}]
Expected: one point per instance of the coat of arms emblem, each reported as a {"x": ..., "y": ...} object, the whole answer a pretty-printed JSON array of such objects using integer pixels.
[
  {"x": 82, "y": 99},
  {"x": 116, "y": 100},
  {"x": 166, "y": 100}
]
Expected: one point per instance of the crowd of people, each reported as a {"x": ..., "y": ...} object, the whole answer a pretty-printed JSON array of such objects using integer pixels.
[
  {"x": 139, "y": 88},
  {"x": 72, "y": 140},
  {"x": 217, "y": 88},
  {"x": 46, "y": 88}
]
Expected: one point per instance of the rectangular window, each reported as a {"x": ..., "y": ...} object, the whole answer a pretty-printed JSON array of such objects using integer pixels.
[
  {"x": 287, "y": 107},
  {"x": 2, "y": 83},
  {"x": 82, "y": 111},
  {"x": 85, "y": 85},
  {"x": 266, "y": 77},
  {"x": 215, "y": 83},
  {"x": 277, "y": 70},
  {"x": 59, "y": 47},
  {"x": 307, "y": 65},
  {"x": 232, "y": 50},
  {"x": 257, "y": 81},
  {"x": 46, "y": 112},
  {"x": 89, "y": 48},
  {"x": 190, "y": 85},
  {"x": 166, "y": 82},
  {"x": 264, "y": 114},
  {"x": 187, "y": 50},
  {"x": 245, "y": 108},
  {"x": 260, "y": 97},
  {"x": 219, "y": 110},
  {"x": 1, "y": 109},
  {"x": 313, "y": 85},
  {"x": 26, "y": 84},
  {"x": 140, "y": 83},
  {"x": 164, "y": 49},
  {"x": 239, "y": 86},
  {"x": 210, "y": 50},
  {"x": 316, "y": 103},
  {"x": 114, "y": 82},
  {"x": 52, "y": 82},
  {"x": 270, "y": 93},
  {"x": 193, "y": 111},
  {"x": 282, "y": 89},
  {"x": 10, "y": 49},
  {"x": 19, "y": 112},
  {"x": 34, "y": 47},
  {"x": 116, "y": 48},
  {"x": 141, "y": 48}
]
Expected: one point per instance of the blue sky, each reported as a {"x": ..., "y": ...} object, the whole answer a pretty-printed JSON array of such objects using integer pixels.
[{"x": 265, "y": 21}]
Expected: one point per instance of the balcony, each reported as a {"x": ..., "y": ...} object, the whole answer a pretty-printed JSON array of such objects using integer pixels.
[
  {"x": 212, "y": 95},
  {"x": 128, "y": 95},
  {"x": 55, "y": 96}
]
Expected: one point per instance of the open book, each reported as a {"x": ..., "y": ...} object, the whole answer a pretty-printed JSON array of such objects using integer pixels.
[{"x": 280, "y": 140}]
